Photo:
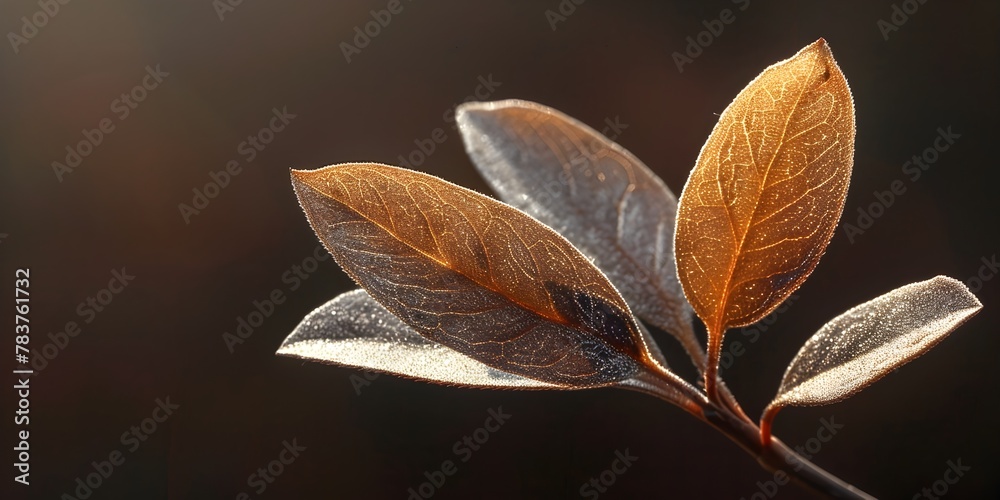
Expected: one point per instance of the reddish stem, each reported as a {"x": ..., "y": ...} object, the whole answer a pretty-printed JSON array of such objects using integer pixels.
[{"x": 765, "y": 424}]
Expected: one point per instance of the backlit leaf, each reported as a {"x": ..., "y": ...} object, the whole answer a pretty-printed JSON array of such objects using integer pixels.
[
  {"x": 590, "y": 190},
  {"x": 475, "y": 275},
  {"x": 353, "y": 330},
  {"x": 864, "y": 344},
  {"x": 768, "y": 188}
]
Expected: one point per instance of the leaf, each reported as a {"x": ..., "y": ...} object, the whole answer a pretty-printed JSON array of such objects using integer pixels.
[
  {"x": 765, "y": 196},
  {"x": 867, "y": 342},
  {"x": 354, "y": 330},
  {"x": 475, "y": 275},
  {"x": 593, "y": 192}
]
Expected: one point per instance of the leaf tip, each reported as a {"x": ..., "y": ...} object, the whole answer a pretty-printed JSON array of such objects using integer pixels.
[
  {"x": 972, "y": 302},
  {"x": 819, "y": 52},
  {"x": 301, "y": 178},
  {"x": 821, "y": 47},
  {"x": 473, "y": 115},
  {"x": 468, "y": 107},
  {"x": 287, "y": 347},
  {"x": 466, "y": 112},
  {"x": 297, "y": 174}
]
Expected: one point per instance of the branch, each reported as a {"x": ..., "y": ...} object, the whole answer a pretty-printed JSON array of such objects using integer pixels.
[{"x": 773, "y": 456}]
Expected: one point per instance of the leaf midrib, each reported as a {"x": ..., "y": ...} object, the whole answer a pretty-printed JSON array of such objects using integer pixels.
[
  {"x": 720, "y": 312},
  {"x": 558, "y": 319}
]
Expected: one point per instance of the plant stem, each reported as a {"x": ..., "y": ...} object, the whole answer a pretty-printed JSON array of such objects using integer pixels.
[
  {"x": 730, "y": 401},
  {"x": 777, "y": 457},
  {"x": 712, "y": 369},
  {"x": 700, "y": 360},
  {"x": 765, "y": 423},
  {"x": 773, "y": 456}
]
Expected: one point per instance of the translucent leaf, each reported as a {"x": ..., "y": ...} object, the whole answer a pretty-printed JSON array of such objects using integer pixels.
[
  {"x": 590, "y": 190},
  {"x": 765, "y": 195},
  {"x": 353, "y": 330},
  {"x": 475, "y": 275},
  {"x": 864, "y": 344}
]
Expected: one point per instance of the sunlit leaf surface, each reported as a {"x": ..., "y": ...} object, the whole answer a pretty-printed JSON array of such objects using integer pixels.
[
  {"x": 768, "y": 188},
  {"x": 353, "y": 330},
  {"x": 867, "y": 342}
]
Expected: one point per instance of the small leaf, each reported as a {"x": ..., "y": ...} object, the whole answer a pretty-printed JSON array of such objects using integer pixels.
[
  {"x": 475, "y": 275},
  {"x": 765, "y": 196},
  {"x": 593, "y": 192},
  {"x": 353, "y": 330},
  {"x": 864, "y": 344}
]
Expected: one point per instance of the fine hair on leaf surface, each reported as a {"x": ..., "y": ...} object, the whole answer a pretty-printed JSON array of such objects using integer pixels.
[
  {"x": 475, "y": 275},
  {"x": 354, "y": 330},
  {"x": 538, "y": 291},
  {"x": 765, "y": 195},
  {"x": 864, "y": 344},
  {"x": 590, "y": 190}
]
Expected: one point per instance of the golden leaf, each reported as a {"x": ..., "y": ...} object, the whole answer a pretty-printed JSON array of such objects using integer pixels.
[{"x": 766, "y": 193}]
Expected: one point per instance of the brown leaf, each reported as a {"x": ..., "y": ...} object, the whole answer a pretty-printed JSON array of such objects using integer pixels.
[
  {"x": 474, "y": 274},
  {"x": 766, "y": 193}
]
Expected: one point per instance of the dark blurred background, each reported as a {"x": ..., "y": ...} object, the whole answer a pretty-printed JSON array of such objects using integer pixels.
[{"x": 226, "y": 68}]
